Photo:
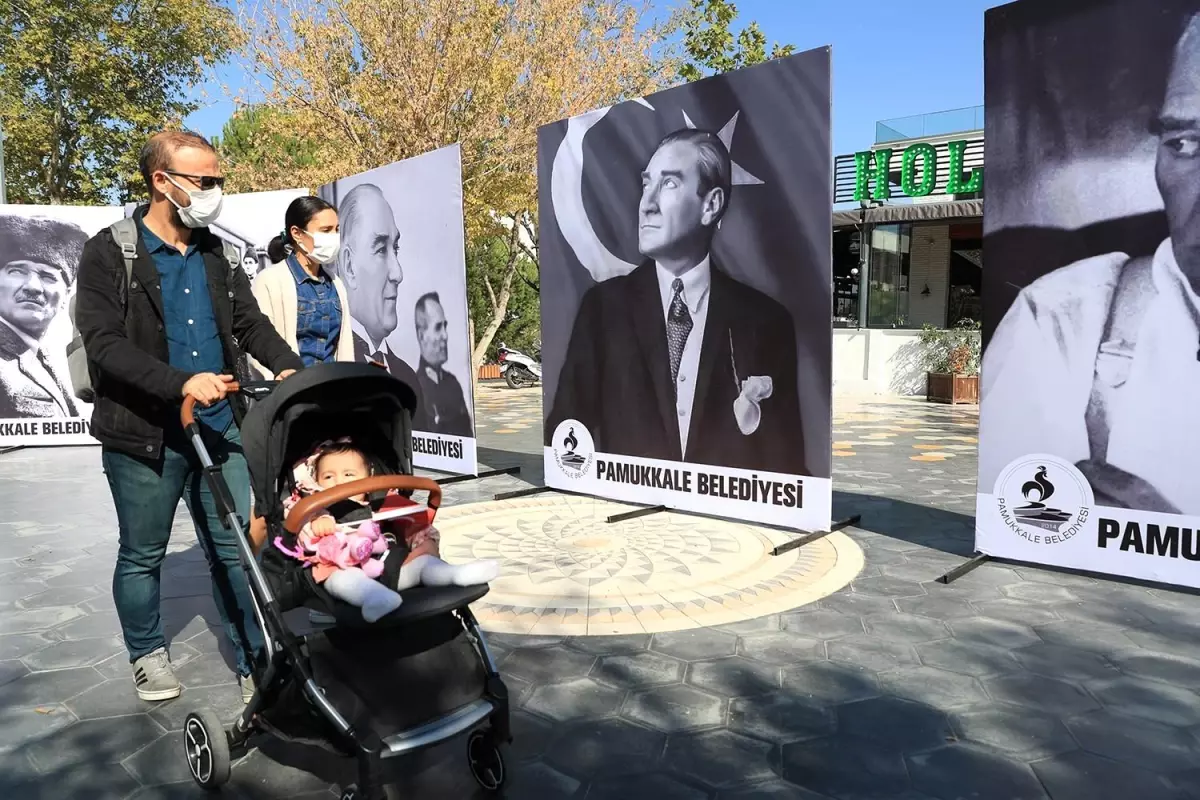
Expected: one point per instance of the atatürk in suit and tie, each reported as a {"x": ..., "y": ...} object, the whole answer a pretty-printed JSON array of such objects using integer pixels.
[
  {"x": 38, "y": 261},
  {"x": 369, "y": 266},
  {"x": 658, "y": 357}
]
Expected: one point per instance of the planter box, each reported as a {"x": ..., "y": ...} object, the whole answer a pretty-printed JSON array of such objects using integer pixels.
[
  {"x": 942, "y": 387},
  {"x": 489, "y": 372}
]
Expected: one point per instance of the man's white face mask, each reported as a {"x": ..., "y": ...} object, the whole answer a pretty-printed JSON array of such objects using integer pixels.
[
  {"x": 325, "y": 247},
  {"x": 204, "y": 209}
]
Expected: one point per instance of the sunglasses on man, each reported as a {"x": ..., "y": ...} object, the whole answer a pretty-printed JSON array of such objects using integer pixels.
[{"x": 205, "y": 182}]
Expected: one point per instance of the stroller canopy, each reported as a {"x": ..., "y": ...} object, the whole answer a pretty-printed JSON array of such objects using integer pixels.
[{"x": 322, "y": 402}]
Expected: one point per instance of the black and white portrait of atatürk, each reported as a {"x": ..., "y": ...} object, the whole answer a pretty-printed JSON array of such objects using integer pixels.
[
  {"x": 685, "y": 273},
  {"x": 38, "y": 261},
  {"x": 403, "y": 263},
  {"x": 1092, "y": 248}
]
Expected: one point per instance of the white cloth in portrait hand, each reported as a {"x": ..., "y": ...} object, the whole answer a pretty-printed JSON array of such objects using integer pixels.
[{"x": 746, "y": 408}]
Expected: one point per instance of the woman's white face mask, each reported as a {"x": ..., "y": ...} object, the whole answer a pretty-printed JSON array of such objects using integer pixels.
[
  {"x": 204, "y": 209},
  {"x": 325, "y": 247}
]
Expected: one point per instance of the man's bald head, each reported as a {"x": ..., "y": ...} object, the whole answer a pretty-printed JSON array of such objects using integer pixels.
[{"x": 368, "y": 262}]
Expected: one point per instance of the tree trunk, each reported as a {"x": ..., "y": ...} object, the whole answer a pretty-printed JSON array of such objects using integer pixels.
[{"x": 499, "y": 302}]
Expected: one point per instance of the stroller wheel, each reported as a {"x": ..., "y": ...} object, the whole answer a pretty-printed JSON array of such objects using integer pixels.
[
  {"x": 206, "y": 745},
  {"x": 486, "y": 761}
]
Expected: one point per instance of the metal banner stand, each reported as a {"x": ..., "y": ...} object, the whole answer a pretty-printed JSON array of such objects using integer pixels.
[
  {"x": 13, "y": 449},
  {"x": 813, "y": 536},
  {"x": 978, "y": 560},
  {"x": 489, "y": 473},
  {"x": 637, "y": 512}
]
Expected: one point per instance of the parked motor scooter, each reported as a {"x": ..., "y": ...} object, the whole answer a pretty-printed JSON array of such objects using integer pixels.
[{"x": 518, "y": 369}]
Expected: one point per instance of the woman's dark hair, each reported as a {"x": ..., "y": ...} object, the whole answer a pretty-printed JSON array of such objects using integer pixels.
[{"x": 299, "y": 213}]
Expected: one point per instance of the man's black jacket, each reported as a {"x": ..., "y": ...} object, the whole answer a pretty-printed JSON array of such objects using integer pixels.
[{"x": 138, "y": 392}]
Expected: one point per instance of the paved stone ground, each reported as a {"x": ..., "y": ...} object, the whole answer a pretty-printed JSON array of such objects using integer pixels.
[{"x": 1012, "y": 683}]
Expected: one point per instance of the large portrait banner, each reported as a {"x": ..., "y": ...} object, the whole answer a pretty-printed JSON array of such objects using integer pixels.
[
  {"x": 40, "y": 248},
  {"x": 1091, "y": 362},
  {"x": 403, "y": 262},
  {"x": 685, "y": 254}
]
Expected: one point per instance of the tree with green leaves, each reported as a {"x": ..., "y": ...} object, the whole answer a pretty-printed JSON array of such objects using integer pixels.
[
  {"x": 711, "y": 47},
  {"x": 253, "y": 132},
  {"x": 84, "y": 83}
]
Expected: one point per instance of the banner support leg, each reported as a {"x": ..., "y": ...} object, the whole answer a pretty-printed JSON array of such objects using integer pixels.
[
  {"x": 13, "y": 449},
  {"x": 522, "y": 492},
  {"x": 962, "y": 569},
  {"x": 490, "y": 473},
  {"x": 809, "y": 538},
  {"x": 638, "y": 512}
]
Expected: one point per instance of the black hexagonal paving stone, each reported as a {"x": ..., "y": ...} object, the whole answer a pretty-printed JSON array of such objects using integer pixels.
[
  {"x": 734, "y": 676},
  {"x": 675, "y": 708},
  {"x": 765, "y": 624},
  {"x": 537, "y": 780},
  {"x": 1023, "y": 612},
  {"x": 1021, "y": 732},
  {"x": 1068, "y": 663},
  {"x": 604, "y": 748},
  {"x": 1159, "y": 666},
  {"x": 62, "y": 619},
  {"x": 656, "y": 785},
  {"x": 830, "y": 683},
  {"x": 932, "y": 686},
  {"x": 857, "y": 605},
  {"x": 718, "y": 759},
  {"x": 780, "y": 717},
  {"x": 1088, "y": 636},
  {"x": 638, "y": 670},
  {"x": 842, "y": 765},
  {"x": 1137, "y": 742},
  {"x": 577, "y": 699},
  {"x": 1150, "y": 700},
  {"x": 996, "y": 632},
  {"x": 11, "y": 670},
  {"x": 19, "y": 645},
  {"x": 608, "y": 645},
  {"x": 99, "y": 741},
  {"x": 771, "y": 790},
  {"x": 19, "y": 726},
  {"x": 41, "y": 688},
  {"x": 781, "y": 648},
  {"x": 901, "y": 725},
  {"x": 1044, "y": 593},
  {"x": 1041, "y": 694},
  {"x": 936, "y": 605},
  {"x": 822, "y": 624},
  {"x": 968, "y": 658},
  {"x": 78, "y": 653},
  {"x": 547, "y": 665},
  {"x": 162, "y": 761},
  {"x": 695, "y": 644},
  {"x": 1083, "y": 776},
  {"x": 960, "y": 770},
  {"x": 867, "y": 652},
  {"x": 532, "y": 736},
  {"x": 224, "y": 701},
  {"x": 887, "y": 587},
  {"x": 908, "y": 628}
]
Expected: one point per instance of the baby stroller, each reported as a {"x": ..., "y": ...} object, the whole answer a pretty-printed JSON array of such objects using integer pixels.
[{"x": 373, "y": 692}]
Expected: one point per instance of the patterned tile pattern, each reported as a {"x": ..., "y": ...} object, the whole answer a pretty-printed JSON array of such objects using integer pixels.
[{"x": 567, "y": 571}]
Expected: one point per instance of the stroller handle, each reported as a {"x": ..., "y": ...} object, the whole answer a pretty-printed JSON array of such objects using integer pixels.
[
  {"x": 304, "y": 510},
  {"x": 254, "y": 390}
]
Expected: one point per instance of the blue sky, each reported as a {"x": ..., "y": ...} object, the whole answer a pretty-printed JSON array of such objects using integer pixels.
[{"x": 890, "y": 59}]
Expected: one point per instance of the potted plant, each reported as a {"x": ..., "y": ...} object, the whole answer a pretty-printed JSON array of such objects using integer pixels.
[{"x": 951, "y": 360}]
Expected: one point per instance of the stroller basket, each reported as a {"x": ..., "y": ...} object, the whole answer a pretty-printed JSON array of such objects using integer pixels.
[{"x": 322, "y": 688}]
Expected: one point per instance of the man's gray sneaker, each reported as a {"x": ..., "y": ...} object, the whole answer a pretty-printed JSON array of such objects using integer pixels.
[
  {"x": 246, "y": 682},
  {"x": 153, "y": 677}
]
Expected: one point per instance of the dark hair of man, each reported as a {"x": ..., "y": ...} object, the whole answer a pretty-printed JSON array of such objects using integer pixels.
[
  {"x": 299, "y": 213},
  {"x": 158, "y": 149},
  {"x": 714, "y": 163}
]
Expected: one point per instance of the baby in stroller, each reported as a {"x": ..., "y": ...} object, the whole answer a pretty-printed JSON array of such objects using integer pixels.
[{"x": 357, "y": 560}]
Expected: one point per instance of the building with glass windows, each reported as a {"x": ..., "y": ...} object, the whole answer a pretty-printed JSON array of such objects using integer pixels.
[{"x": 907, "y": 246}]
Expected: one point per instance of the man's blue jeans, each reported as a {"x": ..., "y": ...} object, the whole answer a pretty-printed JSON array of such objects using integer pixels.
[{"x": 146, "y": 493}]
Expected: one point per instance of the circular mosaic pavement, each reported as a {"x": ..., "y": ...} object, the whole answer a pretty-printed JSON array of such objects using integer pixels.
[{"x": 566, "y": 571}]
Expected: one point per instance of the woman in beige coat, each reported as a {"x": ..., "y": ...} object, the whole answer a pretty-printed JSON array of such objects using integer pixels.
[{"x": 303, "y": 298}]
